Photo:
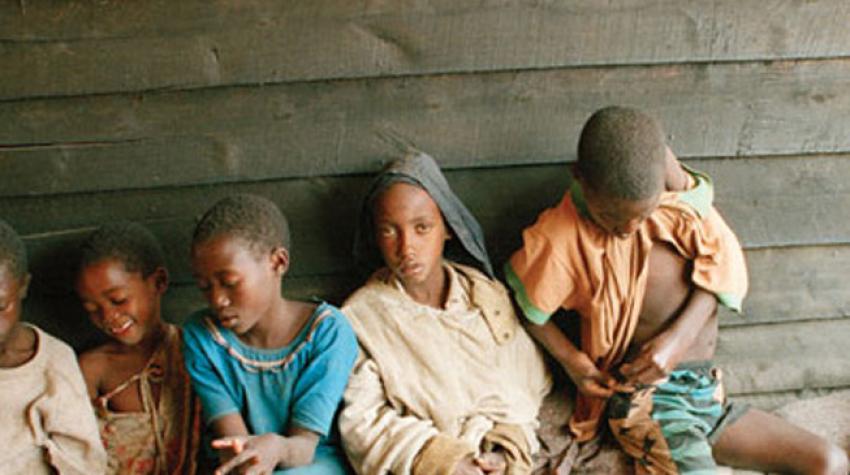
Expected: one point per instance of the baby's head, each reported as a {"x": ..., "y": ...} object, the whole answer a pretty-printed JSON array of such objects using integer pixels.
[
  {"x": 240, "y": 251},
  {"x": 14, "y": 279},
  {"x": 620, "y": 166},
  {"x": 121, "y": 278}
]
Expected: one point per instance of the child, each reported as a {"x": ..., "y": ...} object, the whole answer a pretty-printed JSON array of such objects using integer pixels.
[
  {"x": 448, "y": 382},
  {"x": 270, "y": 371},
  {"x": 46, "y": 423},
  {"x": 148, "y": 416},
  {"x": 636, "y": 249}
]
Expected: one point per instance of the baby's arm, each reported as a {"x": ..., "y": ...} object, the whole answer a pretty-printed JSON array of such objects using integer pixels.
[{"x": 675, "y": 177}]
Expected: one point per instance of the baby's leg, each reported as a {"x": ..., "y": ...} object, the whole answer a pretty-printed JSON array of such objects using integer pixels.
[{"x": 762, "y": 441}]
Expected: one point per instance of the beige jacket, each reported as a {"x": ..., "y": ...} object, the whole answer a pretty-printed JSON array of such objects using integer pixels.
[
  {"x": 431, "y": 386},
  {"x": 46, "y": 421}
]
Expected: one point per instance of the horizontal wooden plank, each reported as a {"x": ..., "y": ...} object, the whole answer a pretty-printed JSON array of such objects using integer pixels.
[
  {"x": 129, "y": 46},
  {"x": 795, "y": 283},
  {"x": 782, "y": 201},
  {"x": 316, "y": 129},
  {"x": 785, "y": 357}
]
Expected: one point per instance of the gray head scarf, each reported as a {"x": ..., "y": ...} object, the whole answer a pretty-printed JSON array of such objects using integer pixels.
[{"x": 420, "y": 169}]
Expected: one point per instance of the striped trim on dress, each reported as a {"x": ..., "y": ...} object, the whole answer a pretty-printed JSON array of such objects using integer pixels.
[{"x": 256, "y": 365}]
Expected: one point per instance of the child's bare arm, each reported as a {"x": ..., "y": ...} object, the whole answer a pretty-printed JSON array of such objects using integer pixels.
[
  {"x": 578, "y": 365},
  {"x": 264, "y": 451},
  {"x": 662, "y": 353}
]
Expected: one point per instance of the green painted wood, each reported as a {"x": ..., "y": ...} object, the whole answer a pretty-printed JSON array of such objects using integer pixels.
[
  {"x": 128, "y": 46},
  {"x": 785, "y": 357},
  {"x": 329, "y": 128}
]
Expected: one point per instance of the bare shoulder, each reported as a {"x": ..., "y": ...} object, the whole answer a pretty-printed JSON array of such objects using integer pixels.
[{"x": 95, "y": 363}]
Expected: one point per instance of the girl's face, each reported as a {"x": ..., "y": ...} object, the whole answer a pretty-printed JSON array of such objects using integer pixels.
[
  {"x": 124, "y": 305},
  {"x": 13, "y": 289},
  {"x": 240, "y": 285},
  {"x": 411, "y": 235}
]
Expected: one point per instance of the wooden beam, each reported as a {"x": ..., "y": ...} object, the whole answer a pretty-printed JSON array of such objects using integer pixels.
[
  {"x": 769, "y": 202},
  {"x": 77, "y": 47},
  {"x": 245, "y": 134},
  {"x": 785, "y": 357}
]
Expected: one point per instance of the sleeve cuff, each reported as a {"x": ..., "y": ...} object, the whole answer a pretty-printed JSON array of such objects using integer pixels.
[
  {"x": 440, "y": 455},
  {"x": 731, "y": 301},
  {"x": 532, "y": 313},
  {"x": 513, "y": 442}
]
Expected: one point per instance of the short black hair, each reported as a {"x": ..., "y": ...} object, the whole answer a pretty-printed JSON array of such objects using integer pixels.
[
  {"x": 128, "y": 242},
  {"x": 13, "y": 253},
  {"x": 621, "y": 153},
  {"x": 253, "y": 218}
]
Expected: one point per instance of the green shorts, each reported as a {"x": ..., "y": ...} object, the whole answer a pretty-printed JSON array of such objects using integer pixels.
[{"x": 670, "y": 427}]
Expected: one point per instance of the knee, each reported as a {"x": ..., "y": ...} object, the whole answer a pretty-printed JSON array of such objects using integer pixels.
[{"x": 831, "y": 460}]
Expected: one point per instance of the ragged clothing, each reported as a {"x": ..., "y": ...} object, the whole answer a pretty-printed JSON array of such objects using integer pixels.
[
  {"x": 166, "y": 436},
  {"x": 46, "y": 422},
  {"x": 566, "y": 261},
  {"x": 670, "y": 428},
  {"x": 434, "y": 385}
]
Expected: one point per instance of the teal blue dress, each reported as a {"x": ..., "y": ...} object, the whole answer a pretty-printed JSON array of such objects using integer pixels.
[{"x": 300, "y": 384}]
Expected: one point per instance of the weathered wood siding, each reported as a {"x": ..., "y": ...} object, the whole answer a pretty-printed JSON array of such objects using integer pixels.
[{"x": 152, "y": 110}]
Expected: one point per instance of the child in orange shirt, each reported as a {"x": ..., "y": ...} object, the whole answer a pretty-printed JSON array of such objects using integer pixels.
[{"x": 636, "y": 248}]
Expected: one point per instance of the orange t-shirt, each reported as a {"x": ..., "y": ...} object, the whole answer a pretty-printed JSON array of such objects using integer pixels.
[{"x": 566, "y": 261}]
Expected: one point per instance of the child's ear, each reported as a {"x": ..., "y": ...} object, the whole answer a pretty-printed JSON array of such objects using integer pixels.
[
  {"x": 160, "y": 279},
  {"x": 25, "y": 285},
  {"x": 280, "y": 260}
]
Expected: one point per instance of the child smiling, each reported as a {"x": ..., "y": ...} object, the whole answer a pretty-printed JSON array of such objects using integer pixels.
[{"x": 149, "y": 418}]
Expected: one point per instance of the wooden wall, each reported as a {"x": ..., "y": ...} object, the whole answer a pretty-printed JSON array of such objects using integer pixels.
[{"x": 152, "y": 110}]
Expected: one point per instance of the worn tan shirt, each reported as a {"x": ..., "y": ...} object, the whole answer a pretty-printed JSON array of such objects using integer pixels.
[
  {"x": 46, "y": 423},
  {"x": 434, "y": 385}
]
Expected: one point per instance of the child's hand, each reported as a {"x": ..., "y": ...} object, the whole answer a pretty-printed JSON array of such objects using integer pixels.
[
  {"x": 590, "y": 381},
  {"x": 249, "y": 454},
  {"x": 492, "y": 462},
  {"x": 656, "y": 360},
  {"x": 468, "y": 466}
]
